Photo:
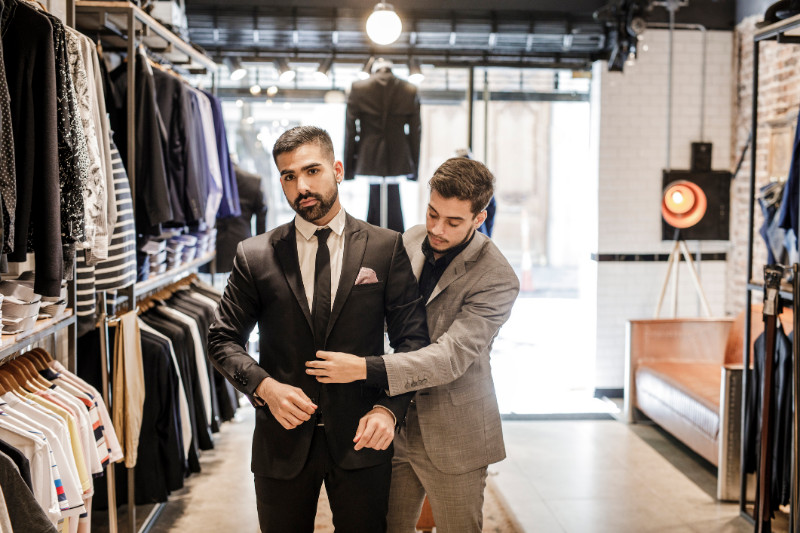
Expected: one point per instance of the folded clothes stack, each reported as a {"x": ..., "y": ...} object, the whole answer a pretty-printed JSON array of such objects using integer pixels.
[
  {"x": 51, "y": 305},
  {"x": 205, "y": 241},
  {"x": 189, "y": 251},
  {"x": 156, "y": 250},
  {"x": 174, "y": 253},
  {"x": 20, "y": 306}
]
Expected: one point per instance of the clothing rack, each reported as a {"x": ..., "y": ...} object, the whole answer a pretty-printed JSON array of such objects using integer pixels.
[
  {"x": 122, "y": 25},
  {"x": 783, "y": 32}
]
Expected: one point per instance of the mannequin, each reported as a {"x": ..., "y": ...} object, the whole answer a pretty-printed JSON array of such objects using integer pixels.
[{"x": 382, "y": 139}]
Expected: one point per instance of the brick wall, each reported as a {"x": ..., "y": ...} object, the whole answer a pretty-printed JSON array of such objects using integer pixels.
[
  {"x": 778, "y": 99},
  {"x": 631, "y": 153}
]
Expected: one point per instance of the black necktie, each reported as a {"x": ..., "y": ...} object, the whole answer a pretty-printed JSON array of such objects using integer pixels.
[{"x": 321, "y": 304}]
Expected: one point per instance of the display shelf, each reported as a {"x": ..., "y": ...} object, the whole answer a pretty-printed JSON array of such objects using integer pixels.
[
  {"x": 10, "y": 344},
  {"x": 116, "y": 19},
  {"x": 156, "y": 282},
  {"x": 784, "y": 31}
]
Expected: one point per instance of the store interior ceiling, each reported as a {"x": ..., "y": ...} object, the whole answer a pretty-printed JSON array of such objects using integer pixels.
[{"x": 551, "y": 34}]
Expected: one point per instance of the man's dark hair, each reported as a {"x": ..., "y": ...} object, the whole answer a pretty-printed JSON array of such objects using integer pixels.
[
  {"x": 294, "y": 138},
  {"x": 465, "y": 179}
]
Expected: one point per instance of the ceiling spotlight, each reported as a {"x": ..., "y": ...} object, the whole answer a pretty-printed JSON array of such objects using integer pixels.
[
  {"x": 324, "y": 69},
  {"x": 255, "y": 89},
  {"x": 272, "y": 90},
  {"x": 415, "y": 74},
  {"x": 240, "y": 103},
  {"x": 234, "y": 64},
  {"x": 367, "y": 70},
  {"x": 383, "y": 25},
  {"x": 285, "y": 72}
]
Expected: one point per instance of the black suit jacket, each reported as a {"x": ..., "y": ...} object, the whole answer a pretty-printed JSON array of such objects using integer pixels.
[
  {"x": 266, "y": 287},
  {"x": 376, "y": 143}
]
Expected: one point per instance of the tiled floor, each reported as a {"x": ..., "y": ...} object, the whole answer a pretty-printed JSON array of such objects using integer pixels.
[
  {"x": 598, "y": 476},
  {"x": 608, "y": 477}
]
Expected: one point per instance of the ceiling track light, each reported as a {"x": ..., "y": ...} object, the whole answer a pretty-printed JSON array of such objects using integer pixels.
[
  {"x": 234, "y": 64},
  {"x": 384, "y": 25},
  {"x": 255, "y": 89},
  {"x": 323, "y": 71},
  {"x": 367, "y": 70},
  {"x": 415, "y": 74},
  {"x": 285, "y": 72}
]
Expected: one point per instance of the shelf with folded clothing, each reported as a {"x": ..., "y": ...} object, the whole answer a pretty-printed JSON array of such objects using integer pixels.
[
  {"x": 10, "y": 344},
  {"x": 782, "y": 32}
]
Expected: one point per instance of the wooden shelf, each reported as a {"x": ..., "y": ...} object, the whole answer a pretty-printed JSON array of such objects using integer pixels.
[
  {"x": 10, "y": 344},
  {"x": 158, "y": 281}
]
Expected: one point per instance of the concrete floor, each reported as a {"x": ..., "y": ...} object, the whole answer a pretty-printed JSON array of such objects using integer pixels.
[{"x": 593, "y": 476}]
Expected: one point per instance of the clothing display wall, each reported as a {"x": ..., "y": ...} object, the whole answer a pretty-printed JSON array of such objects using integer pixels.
[
  {"x": 382, "y": 138},
  {"x": 57, "y": 433},
  {"x": 185, "y": 399}
]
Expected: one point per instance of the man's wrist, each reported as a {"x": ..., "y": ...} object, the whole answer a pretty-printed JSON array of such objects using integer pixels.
[{"x": 388, "y": 411}]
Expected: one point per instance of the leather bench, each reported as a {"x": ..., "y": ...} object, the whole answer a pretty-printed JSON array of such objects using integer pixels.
[{"x": 685, "y": 375}]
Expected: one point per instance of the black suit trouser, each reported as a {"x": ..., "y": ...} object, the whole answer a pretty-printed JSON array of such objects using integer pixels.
[{"x": 359, "y": 499}]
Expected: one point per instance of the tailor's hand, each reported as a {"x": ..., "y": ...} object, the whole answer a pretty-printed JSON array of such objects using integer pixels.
[
  {"x": 289, "y": 405},
  {"x": 337, "y": 367},
  {"x": 375, "y": 430}
]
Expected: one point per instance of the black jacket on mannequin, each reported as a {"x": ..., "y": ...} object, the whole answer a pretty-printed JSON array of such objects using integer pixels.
[{"x": 383, "y": 127}]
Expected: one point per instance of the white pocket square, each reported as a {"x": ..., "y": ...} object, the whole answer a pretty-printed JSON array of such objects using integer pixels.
[{"x": 366, "y": 276}]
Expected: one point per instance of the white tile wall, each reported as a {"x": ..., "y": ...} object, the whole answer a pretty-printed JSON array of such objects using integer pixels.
[{"x": 631, "y": 141}]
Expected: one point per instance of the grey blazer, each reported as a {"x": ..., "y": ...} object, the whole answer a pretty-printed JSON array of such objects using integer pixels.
[{"x": 458, "y": 414}]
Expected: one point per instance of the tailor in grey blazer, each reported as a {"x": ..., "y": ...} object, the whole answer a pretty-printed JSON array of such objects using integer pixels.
[{"x": 456, "y": 403}]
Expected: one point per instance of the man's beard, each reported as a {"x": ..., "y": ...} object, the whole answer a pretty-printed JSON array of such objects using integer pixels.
[
  {"x": 451, "y": 246},
  {"x": 318, "y": 210}
]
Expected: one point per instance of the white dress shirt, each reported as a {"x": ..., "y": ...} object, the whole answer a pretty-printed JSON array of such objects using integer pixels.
[{"x": 307, "y": 252}]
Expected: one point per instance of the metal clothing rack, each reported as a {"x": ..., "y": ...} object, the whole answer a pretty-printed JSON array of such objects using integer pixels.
[
  {"x": 124, "y": 26},
  {"x": 783, "y": 32}
]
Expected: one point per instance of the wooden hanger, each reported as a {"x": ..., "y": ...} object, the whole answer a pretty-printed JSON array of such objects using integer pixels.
[
  {"x": 30, "y": 377},
  {"x": 40, "y": 358},
  {"x": 8, "y": 381},
  {"x": 18, "y": 376},
  {"x": 37, "y": 378}
]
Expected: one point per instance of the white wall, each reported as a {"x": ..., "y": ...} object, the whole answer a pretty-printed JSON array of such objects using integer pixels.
[{"x": 630, "y": 139}]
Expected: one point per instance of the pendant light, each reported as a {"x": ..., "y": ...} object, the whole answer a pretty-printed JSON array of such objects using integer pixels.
[{"x": 383, "y": 25}]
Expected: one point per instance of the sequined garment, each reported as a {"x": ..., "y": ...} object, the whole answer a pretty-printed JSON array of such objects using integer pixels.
[
  {"x": 94, "y": 193},
  {"x": 73, "y": 154}
]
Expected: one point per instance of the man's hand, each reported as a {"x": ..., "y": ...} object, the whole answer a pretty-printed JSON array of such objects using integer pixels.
[
  {"x": 375, "y": 430},
  {"x": 337, "y": 367},
  {"x": 289, "y": 405}
]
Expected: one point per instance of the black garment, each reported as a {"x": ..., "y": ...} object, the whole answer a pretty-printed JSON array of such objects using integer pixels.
[
  {"x": 204, "y": 439},
  {"x": 223, "y": 394},
  {"x": 182, "y": 157},
  {"x": 73, "y": 154},
  {"x": 8, "y": 179},
  {"x": 203, "y": 316},
  {"x": 23, "y": 465},
  {"x": 161, "y": 464},
  {"x": 24, "y": 512},
  {"x": 781, "y": 410},
  {"x": 178, "y": 339},
  {"x": 150, "y": 179},
  {"x": 265, "y": 287},
  {"x": 30, "y": 65},
  {"x": 232, "y": 230},
  {"x": 359, "y": 499},
  {"x": 395, "y": 219},
  {"x": 382, "y": 128}
]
